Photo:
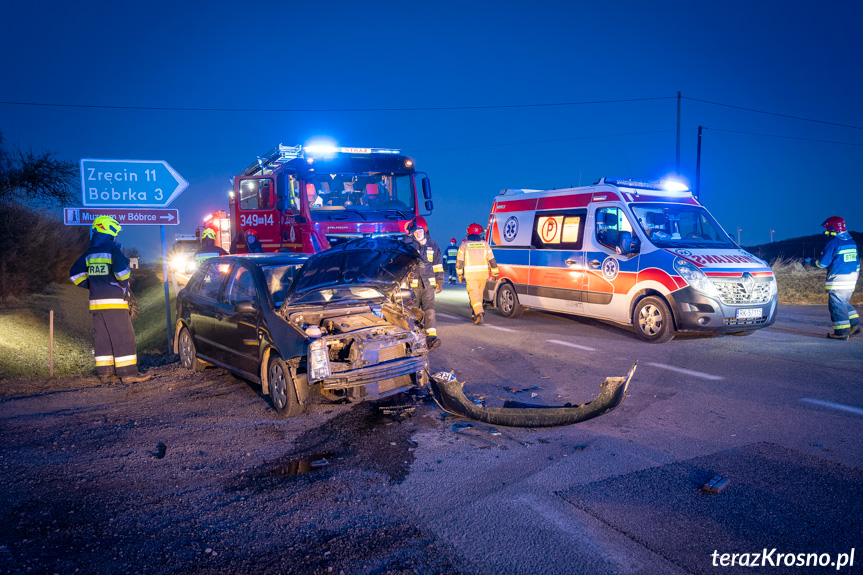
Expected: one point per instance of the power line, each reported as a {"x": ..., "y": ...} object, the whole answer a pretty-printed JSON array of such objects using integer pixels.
[
  {"x": 784, "y": 137},
  {"x": 270, "y": 110},
  {"x": 541, "y": 141},
  {"x": 773, "y": 113}
]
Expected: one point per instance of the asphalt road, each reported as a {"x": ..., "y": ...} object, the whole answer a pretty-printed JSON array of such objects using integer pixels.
[{"x": 778, "y": 413}]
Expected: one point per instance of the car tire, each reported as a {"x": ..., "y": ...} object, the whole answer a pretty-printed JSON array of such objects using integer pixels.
[
  {"x": 283, "y": 391},
  {"x": 187, "y": 351},
  {"x": 507, "y": 301},
  {"x": 652, "y": 320}
]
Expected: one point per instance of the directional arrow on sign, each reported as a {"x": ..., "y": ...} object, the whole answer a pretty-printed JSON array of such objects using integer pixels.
[
  {"x": 130, "y": 183},
  {"x": 131, "y": 216}
]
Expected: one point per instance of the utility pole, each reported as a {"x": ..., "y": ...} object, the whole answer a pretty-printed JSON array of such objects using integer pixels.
[
  {"x": 677, "y": 164},
  {"x": 739, "y": 229},
  {"x": 698, "y": 166},
  {"x": 771, "y": 235}
]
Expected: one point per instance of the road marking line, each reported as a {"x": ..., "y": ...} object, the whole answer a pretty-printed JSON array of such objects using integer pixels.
[
  {"x": 500, "y": 328},
  {"x": 448, "y": 316},
  {"x": 687, "y": 371},
  {"x": 830, "y": 404},
  {"x": 567, "y": 344}
]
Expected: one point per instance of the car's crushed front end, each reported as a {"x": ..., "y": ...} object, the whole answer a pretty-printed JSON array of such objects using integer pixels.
[{"x": 363, "y": 340}]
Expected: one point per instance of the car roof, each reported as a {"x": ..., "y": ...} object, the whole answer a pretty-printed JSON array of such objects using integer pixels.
[{"x": 268, "y": 259}]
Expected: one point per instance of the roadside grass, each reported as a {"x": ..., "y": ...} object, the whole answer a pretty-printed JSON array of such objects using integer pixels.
[
  {"x": 804, "y": 285},
  {"x": 24, "y": 330}
]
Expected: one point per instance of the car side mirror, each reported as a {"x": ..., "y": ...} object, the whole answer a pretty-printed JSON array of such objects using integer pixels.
[
  {"x": 246, "y": 306},
  {"x": 626, "y": 244},
  {"x": 300, "y": 219}
]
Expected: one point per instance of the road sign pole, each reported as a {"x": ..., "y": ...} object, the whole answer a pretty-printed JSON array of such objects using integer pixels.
[{"x": 167, "y": 292}]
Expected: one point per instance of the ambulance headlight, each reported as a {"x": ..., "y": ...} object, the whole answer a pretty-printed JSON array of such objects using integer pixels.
[
  {"x": 695, "y": 277},
  {"x": 318, "y": 362},
  {"x": 774, "y": 287}
]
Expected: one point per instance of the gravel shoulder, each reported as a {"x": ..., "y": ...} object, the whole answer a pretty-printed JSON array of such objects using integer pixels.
[{"x": 196, "y": 473}]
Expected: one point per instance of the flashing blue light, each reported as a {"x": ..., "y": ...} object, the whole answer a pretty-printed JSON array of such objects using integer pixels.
[
  {"x": 674, "y": 186},
  {"x": 321, "y": 150}
]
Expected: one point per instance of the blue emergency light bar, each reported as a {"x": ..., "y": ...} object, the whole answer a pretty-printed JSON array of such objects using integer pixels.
[{"x": 665, "y": 187}]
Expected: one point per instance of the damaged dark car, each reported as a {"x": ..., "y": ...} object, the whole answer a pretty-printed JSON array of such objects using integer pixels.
[{"x": 336, "y": 326}]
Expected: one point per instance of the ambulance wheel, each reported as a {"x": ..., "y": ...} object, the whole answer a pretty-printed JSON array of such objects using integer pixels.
[
  {"x": 652, "y": 320},
  {"x": 186, "y": 347},
  {"x": 283, "y": 392},
  {"x": 507, "y": 301}
]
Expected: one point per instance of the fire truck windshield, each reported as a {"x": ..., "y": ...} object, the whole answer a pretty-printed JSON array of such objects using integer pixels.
[
  {"x": 359, "y": 194},
  {"x": 680, "y": 226}
]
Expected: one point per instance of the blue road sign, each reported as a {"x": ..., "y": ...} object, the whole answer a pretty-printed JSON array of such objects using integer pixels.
[
  {"x": 124, "y": 216},
  {"x": 132, "y": 183}
]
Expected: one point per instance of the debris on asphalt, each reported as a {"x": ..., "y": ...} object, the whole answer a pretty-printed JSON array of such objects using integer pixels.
[{"x": 715, "y": 485}]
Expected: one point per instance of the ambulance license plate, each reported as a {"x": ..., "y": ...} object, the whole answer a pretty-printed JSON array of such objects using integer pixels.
[{"x": 749, "y": 313}]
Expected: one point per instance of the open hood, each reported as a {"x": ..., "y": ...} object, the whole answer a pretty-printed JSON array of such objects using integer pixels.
[{"x": 378, "y": 263}]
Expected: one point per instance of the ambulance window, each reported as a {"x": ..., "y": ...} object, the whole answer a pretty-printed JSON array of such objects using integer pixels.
[
  {"x": 609, "y": 223},
  {"x": 559, "y": 230},
  {"x": 256, "y": 194}
]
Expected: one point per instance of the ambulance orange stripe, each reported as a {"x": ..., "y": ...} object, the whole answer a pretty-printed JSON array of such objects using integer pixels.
[
  {"x": 659, "y": 276},
  {"x": 556, "y": 277}
]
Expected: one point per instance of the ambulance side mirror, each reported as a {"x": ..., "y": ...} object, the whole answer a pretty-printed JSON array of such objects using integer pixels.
[{"x": 626, "y": 244}]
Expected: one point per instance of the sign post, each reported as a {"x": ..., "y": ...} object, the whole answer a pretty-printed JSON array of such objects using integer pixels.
[{"x": 133, "y": 192}]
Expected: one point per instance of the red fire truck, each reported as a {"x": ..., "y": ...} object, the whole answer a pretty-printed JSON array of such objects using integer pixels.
[{"x": 309, "y": 198}]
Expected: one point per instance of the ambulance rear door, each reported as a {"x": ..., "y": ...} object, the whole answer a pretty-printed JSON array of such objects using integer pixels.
[
  {"x": 557, "y": 260},
  {"x": 610, "y": 274}
]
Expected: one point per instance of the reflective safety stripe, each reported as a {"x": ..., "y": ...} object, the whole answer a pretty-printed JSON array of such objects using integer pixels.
[
  {"x": 102, "y": 360},
  {"x": 841, "y": 286},
  {"x": 841, "y": 325},
  {"x": 125, "y": 360},
  {"x": 205, "y": 256},
  {"x": 853, "y": 316},
  {"x": 432, "y": 331},
  {"x": 432, "y": 281},
  {"x": 476, "y": 268},
  {"x": 98, "y": 258},
  {"x": 438, "y": 268},
  {"x": 477, "y": 305},
  {"x": 123, "y": 275},
  {"x": 415, "y": 283},
  {"x": 847, "y": 251},
  {"x": 77, "y": 279},
  {"x": 97, "y": 304}
]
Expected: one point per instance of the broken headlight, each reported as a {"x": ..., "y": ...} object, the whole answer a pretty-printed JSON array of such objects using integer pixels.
[{"x": 319, "y": 364}]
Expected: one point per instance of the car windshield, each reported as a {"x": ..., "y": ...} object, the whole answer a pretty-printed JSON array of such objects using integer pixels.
[
  {"x": 680, "y": 226},
  {"x": 339, "y": 294},
  {"x": 357, "y": 196},
  {"x": 279, "y": 279}
]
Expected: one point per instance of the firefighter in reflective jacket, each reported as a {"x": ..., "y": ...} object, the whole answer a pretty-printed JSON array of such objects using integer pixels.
[
  {"x": 104, "y": 270},
  {"x": 427, "y": 277},
  {"x": 450, "y": 257},
  {"x": 208, "y": 248},
  {"x": 475, "y": 261},
  {"x": 843, "y": 266}
]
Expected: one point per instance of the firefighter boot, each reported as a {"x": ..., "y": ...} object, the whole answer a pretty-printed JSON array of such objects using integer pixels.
[
  {"x": 432, "y": 342},
  {"x": 109, "y": 378},
  {"x": 837, "y": 336},
  {"x": 855, "y": 330},
  {"x": 138, "y": 378},
  {"x": 478, "y": 318}
]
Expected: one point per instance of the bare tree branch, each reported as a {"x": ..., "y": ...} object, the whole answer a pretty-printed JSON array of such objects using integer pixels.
[{"x": 35, "y": 178}]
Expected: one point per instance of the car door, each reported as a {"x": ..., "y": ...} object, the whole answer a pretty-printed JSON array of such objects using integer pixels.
[
  {"x": 557, "y": 261},
  {"x": 610, "y": 274},
  {"x": 236, "y": 332},
  {"x": 202, "y": 305}
]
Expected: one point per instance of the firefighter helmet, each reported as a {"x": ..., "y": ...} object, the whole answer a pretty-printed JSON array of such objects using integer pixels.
[
  {"x": 474, "y": 230},
  {"x": 208, "y": 233},
  {"x": 452, "y": 241},
  {"x": 107, "y": 225},
  {"x": 251, "y": 232},
  {"x": 418, "y": 222},
  {"x": 834, "y": 224}
]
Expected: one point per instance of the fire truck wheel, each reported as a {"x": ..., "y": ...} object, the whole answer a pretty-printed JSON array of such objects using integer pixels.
[
  {"x": 652, "y": 320},
  {"x": 188, "y": 355},
  {"x": 507, "y": 302},
  {"x": 283, "y": 392}
]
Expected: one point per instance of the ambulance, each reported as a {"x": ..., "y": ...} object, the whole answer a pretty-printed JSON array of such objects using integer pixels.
[{"x": 643, "y": 254}]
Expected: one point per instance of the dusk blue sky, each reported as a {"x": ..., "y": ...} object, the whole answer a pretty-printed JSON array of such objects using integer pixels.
[{"x": 794, "y": 59}]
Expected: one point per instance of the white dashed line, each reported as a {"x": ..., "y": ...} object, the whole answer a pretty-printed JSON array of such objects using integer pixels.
[
  {"x": 448, "y": 316},
  {"x": 832, "y": 405},
  {"x": 687, "y": 371},
  {"x": 567, "y": 344},
  {"x": 498, "y": 328}
]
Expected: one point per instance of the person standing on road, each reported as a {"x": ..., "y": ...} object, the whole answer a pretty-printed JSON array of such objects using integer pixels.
[
  {"x": 450, "y": 258},
  {"x": 208, "y": 248},
  {"x": 253, "y": 245},
  {"x": 427, "y": 277},
  {"x": 843, "y": 266},
  {"x": 474, "y": 262},
  {"x": 104, "y": 270}
]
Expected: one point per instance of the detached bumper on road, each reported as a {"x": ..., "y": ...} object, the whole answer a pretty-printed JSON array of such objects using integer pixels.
[{"x": 450, "y": 396}]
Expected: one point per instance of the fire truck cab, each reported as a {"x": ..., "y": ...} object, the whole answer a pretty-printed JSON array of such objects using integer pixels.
[
  {"x": 307, "y": 199},
  {"x": 637, "y": 253}
]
